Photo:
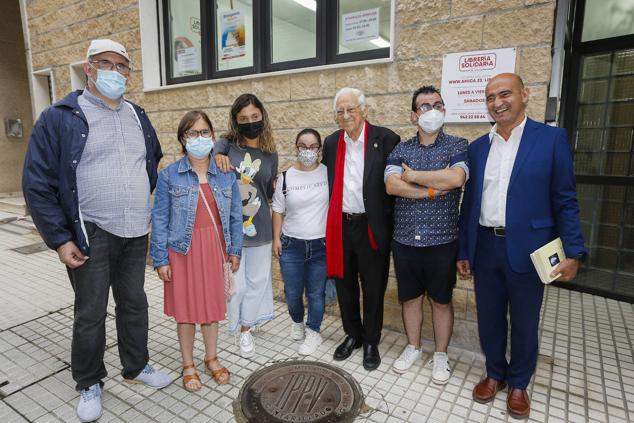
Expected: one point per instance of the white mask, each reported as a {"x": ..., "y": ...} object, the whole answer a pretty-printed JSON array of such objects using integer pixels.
[
  {"x": 307, "y": 157},
  {"x": 430, "y": 122}
]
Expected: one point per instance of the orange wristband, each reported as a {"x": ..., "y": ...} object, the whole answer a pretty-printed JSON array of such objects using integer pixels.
[{"x": 430, "y": 193}]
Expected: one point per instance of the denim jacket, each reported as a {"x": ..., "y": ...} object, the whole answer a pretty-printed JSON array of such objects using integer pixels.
[{"x": 174, "y": 211}]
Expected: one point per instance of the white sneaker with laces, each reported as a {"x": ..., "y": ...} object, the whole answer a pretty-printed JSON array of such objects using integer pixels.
[
  {"x": 297, "y": 331},
  {"x": 89, "y": 405},
  {"x": 151, "y": 377},
  {"x": 247, "y": 346},
  {"x": 310, "y": 344},
  {"x": 409, "y": 355},
  {"x": 441, "y": 370}
]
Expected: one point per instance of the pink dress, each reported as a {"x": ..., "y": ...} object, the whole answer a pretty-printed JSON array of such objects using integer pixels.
[{"x": 196, "y": 292}]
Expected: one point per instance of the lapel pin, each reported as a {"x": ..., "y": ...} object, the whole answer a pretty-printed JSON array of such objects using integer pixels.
[{"x": 376, "y": 145}]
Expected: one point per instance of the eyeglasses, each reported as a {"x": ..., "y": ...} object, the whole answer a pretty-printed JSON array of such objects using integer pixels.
[
  {"x": 122, "y": 68},
  {"x": 314, "y": 148},
  {"x": 425, "y": 107},
  {"x": 349, "y": 110},
  {"x": 192, "y": 133}
]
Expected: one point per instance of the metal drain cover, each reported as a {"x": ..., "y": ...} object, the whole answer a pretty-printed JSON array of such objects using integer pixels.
[{"x": 299, "y": 391}]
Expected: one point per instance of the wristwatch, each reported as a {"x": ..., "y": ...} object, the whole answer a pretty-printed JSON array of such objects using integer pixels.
[{"x": 581, "y": 257}]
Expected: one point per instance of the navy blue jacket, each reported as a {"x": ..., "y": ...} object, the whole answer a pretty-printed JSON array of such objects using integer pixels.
[
  {"x": 541, "y": 202},
  {"x": 49, "y": 179}
]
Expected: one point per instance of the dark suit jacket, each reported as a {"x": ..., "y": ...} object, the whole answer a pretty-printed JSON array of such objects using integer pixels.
[
  {"x": 541, "y": 201},
  {"x": 378, "y": 204}
]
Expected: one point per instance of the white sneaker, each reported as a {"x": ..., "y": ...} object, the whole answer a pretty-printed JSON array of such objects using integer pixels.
[
  {"x": 409, "y": 355},
  {"x": 441, "y": 371},
  {"x": 151, "y": 377},
  {"x": 247, "y": 345},
  {"x": 297, "y": 331},
  {"x": 310, "y": 344},
  {"x": 89, "y": 405}
]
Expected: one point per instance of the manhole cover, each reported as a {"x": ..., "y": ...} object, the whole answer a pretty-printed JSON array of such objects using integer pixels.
[
  {"x": 32, "y": 248},
  {"x": 300, "y": 391}
]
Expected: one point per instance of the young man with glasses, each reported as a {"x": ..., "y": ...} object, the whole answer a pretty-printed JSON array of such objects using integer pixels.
[
  {"x": 359, "y": 224},
  {"x": 90, "y": 167},
  {"x": 426, "y": 174}
]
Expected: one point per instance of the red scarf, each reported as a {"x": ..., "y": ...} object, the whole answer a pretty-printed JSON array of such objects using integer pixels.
[{"x": 334, "y": 232}]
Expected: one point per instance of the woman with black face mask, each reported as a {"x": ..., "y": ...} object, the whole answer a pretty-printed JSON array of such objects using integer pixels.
[{"x": 248, "y": 149}]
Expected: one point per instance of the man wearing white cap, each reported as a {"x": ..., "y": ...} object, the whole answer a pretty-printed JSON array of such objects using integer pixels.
[{"x": 90, "y": 167}]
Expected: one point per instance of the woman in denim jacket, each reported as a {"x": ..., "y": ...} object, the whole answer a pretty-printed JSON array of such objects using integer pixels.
[{"x": 196, "y": 224}]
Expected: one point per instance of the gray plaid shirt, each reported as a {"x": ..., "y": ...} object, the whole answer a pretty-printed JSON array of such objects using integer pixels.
[{"x": 112, "y": 182}]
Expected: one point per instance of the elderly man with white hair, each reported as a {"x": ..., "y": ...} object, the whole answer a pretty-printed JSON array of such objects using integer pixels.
[{"x": 359, "y": 225}]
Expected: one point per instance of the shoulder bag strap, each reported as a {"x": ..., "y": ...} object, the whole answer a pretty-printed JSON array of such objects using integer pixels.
[{"x": 202, "y": 195}]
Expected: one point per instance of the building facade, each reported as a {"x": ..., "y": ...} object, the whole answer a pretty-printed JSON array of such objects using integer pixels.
[{"x": 575, "y": 56}]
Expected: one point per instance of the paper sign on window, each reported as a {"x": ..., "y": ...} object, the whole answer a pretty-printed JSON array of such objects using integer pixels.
[
  {"x": 187, "y": 60},
  {"x": 360, "y": 26},
  {"x": 233, "y": 35}
]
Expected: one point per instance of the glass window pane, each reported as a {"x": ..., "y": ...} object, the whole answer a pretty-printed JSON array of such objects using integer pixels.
[
  {"x": 587, "y": 163},
  {"x": 293, "y": 30},
  {"x": 595, "y": 66},
  {"x": 590, "y": 116},
  {"x": 593, "y": 91},
  {"x": 619, "y": 140},
  {"x": 623, "y": 88},
  {"x": 234, "y": 34},
  {"x": 621, "y": 114},
  {"x": 623, "y": 62},
  {"x": 617, "y": 164},
  {"x": 184, "y": 36},
  {"x": 607, "y": 18},
  {"x": 589, "y": 140},
  {"x": 363, "y": 25}
]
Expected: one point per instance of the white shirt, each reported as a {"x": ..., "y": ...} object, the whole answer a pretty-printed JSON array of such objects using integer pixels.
[
  {"x": 497, "y": 175},
  {"x": 353, "y": 174},
  {"x": 305, "y": 202}
]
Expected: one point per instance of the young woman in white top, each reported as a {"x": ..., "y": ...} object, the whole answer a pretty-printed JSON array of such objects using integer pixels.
[{"x": 300, "y": 207}]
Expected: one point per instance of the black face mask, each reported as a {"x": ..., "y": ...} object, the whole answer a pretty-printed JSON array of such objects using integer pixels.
[{"x": 251, "y": 130}]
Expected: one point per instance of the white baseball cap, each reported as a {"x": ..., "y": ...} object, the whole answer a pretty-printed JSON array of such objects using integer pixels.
[{"x": 101, "y": 46}]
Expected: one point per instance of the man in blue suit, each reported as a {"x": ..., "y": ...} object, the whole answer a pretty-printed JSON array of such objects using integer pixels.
[{"x": 520, "y": 196}]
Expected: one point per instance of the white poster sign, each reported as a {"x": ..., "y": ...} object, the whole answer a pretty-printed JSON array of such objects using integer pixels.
[
  {"x": 360, "y": 26},
  {"x": 187, "y": 60},
  {"x": 233, "y": 35},
  {"x": 464, "y": 78}
]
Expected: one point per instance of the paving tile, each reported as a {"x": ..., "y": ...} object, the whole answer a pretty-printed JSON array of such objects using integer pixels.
[{"x": 584, "y": 370}]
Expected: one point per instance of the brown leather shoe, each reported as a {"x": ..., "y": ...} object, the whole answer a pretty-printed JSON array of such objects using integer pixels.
[
  {"x": 485, "y": 391},
  {"x": 517, "y": 403}
]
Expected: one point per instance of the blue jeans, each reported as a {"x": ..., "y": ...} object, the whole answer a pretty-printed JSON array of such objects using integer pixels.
[{"x": 303, "y": 266}]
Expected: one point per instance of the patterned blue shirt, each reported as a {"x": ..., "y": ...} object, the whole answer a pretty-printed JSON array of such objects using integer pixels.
[{"x": 428, "y": 222}]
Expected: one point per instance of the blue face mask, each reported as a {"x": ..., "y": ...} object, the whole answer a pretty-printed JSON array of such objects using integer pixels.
[
  {"x": 110, "y": 83},
  {"x": 200, "y": 147}
]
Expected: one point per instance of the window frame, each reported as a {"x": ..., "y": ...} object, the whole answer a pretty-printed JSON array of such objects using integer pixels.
[
  {"x": 326, "y": 48},
  {"x": 167, "y": 45}
]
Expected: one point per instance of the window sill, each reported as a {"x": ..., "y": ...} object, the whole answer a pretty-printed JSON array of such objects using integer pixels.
[{"x": 269, "y": 74}]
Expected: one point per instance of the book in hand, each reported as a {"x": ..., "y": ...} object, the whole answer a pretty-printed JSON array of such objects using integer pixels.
[{"x": 546, "y": 258}]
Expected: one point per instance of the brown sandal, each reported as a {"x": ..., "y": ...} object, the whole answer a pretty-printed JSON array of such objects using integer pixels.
[
  {"x": 189, "y": 378},
  {"x": 221, "y": 376}
]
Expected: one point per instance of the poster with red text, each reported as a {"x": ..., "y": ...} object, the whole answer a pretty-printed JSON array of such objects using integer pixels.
[{"x": 464, "y": 77}]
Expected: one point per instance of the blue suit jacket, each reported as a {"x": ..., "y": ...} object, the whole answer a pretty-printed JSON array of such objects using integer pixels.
[{"x": 541, "y": 201}]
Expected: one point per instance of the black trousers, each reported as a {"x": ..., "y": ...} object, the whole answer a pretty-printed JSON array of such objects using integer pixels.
[
  {"x": 118, "y": 263},
  {"x": 369, "y": 267}
]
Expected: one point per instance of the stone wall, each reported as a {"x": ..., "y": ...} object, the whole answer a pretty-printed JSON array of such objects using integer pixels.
[
  {"x": 15, "y": 98},
  {"x": 424, "y": 31}
]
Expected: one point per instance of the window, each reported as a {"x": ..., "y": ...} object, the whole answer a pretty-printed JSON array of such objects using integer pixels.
[
  {"x": 607, "y": 18},
  {"x": 222, "y": 38}
]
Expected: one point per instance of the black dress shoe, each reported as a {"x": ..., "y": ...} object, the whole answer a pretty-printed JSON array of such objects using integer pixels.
[
  {"x": 371, "y": 357},
  {"x": 346, "y": 348}
]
